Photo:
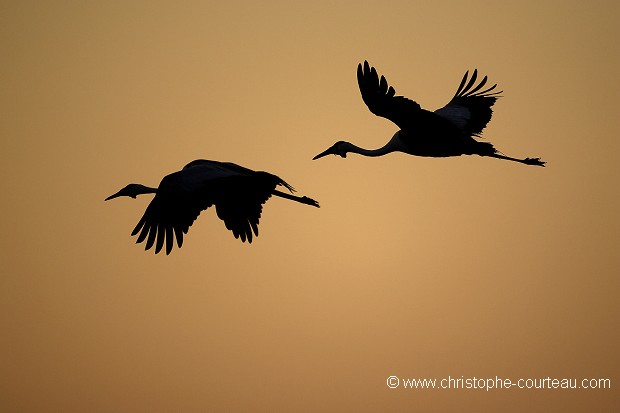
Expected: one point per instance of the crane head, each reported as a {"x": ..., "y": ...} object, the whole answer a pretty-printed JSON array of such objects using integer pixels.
[
  {"x": 132, "y": 190},
  {"x": 339, "y": 148}
]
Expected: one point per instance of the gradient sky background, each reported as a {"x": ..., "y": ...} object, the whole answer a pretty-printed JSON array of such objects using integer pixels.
[{"x": 412, "y": 267}]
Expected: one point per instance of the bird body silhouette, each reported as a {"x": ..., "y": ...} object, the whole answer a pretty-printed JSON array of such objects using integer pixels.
[
  {"x": 448, "y": 131},
  {"x": 238, "y": 194}
]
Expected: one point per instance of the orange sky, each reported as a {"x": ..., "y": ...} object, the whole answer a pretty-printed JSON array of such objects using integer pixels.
[{"x": 412, "y": 267}]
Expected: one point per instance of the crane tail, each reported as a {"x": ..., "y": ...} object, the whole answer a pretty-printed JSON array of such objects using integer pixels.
[{"x": 286, "y": 185}]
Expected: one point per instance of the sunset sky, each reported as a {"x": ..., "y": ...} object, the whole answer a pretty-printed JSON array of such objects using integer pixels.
[{"x": 412, "y": 267}]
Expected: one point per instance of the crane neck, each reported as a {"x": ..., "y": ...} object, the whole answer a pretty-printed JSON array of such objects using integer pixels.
[
  {"x": 149, "y": 190},
  {"x": 393, "y": 145},
  {"x": 370, "y": 152}
]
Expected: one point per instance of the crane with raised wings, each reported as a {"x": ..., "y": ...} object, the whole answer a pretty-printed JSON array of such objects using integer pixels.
[{"x": 448, "y": 131}]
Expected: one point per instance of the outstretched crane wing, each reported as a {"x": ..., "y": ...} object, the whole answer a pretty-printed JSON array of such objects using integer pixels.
[
  {"x": 381, "y": 100},
  {"x": 241, "y": 204},
  {"x": 470, "y": 108},
  {"x": 238, "y": 194},
  {"x": 180, "y": 198}
]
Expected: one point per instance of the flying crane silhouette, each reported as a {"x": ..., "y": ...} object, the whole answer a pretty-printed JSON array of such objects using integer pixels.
[
  {"x": 448, "y": 131},
  {"x": 238, "y": 194}
]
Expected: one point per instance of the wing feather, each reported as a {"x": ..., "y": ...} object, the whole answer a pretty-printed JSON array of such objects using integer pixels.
[
  {"x": 381, "y": 100},
  {"x": 180, "y": 198},
  {"x": 470, "y": 108},
  {"x": 462, "y": 83},
  {"x": 242, "y": 205},
  {"x": 477, "y": 88}
]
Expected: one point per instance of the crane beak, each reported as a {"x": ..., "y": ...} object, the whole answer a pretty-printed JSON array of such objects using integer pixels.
[
  {"x": 329, "y": 151},
  {"x": 116, "y": 195}
]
